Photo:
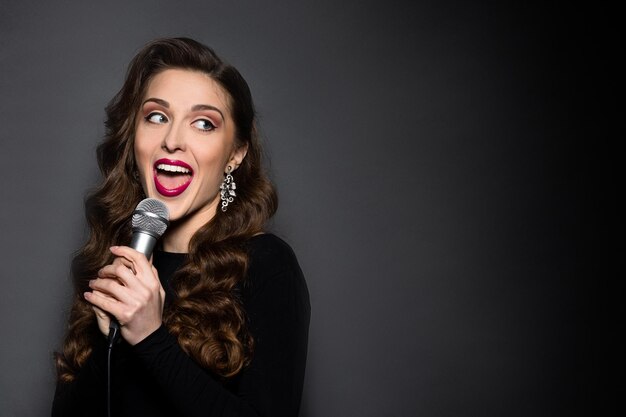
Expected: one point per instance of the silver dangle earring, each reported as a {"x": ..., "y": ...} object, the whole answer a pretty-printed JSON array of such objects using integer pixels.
[{"x": 227, "y": 188}]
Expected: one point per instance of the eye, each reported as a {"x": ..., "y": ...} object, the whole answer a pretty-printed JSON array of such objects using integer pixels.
[
  {"x": 204, "y": 124},
  {"x": 156, "y": 118}
]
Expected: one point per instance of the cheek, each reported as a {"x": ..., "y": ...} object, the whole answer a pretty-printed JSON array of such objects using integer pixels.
[
  {"x": 142, "y": 153},
  {"x": 142, "y": 162},
  {"x": 212, "y": 161},
  {"x": 213, "y": 177}
]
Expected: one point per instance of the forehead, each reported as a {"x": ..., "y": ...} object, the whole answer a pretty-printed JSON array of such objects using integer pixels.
[{"x": 187, "y": 88}]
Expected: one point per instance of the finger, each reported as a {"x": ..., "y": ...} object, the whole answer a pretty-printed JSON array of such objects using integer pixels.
[
  {"x": 111, "y": 289},
  {"x": 104, "y": 294},
  {"x": 118, "y": 272},
  {"x": 104, "y": 303},
  {"x": 140, "y": 263},
  {"x": 100, "y": 313},
  {"x": 145, "y": 272},
  {"x": 124, "y": 276},
  {"x": 123, "y": 261},
  {"x": 103, "y": 319}
]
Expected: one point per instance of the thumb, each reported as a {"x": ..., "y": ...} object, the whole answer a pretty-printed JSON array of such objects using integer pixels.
[
  {"x": 104, "y": 320},
  {"x": 100, "y": 313}
]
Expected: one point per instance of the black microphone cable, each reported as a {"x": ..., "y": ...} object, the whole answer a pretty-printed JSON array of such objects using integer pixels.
[{"x": 114, "y": 335}]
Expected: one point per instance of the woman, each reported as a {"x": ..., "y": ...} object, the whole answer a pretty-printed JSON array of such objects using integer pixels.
[{"x": 217, "y": 324}]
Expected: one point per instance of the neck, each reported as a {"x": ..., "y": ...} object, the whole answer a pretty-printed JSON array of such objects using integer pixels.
[
  {"x": 175, "y": 239},
  {"x": 179, "y": 233}
]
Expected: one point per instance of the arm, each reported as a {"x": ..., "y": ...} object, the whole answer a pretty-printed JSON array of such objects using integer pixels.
[
  {"x": 85, "y": 395},
  {"x": 128, "y": 288},
  {"x": 277, "y": 305}
]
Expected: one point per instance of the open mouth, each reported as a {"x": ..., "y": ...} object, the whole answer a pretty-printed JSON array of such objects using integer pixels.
[{"x": 172, "y": 177}]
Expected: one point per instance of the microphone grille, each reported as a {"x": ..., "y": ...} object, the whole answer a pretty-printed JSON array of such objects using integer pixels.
[{"x": 151, "y": 216}]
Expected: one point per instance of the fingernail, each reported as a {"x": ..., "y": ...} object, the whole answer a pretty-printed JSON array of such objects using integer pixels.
[{"x": 86, "y": 295}]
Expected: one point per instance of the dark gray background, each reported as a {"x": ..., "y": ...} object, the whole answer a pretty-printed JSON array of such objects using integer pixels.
[{"x": 437, "y": 164}]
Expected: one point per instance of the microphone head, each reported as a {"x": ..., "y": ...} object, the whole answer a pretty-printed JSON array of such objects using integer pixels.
[{"x": 151, "y": 216}]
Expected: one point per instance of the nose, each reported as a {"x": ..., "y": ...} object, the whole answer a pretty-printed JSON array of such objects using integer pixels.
[{"x": 173, "y": 140}]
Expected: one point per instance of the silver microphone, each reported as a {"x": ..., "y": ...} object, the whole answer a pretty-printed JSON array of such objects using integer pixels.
[{"x": 150, "y": 219}]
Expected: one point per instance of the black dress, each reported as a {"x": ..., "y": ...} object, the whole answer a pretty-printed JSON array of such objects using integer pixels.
[{"x": 156, "y": 378}]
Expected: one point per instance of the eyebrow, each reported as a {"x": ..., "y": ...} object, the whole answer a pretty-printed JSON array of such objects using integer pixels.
[{"x": 196, "y": 107}]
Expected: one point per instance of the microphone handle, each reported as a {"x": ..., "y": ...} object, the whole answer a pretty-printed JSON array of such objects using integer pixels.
[{"x": 142, "y": 242}]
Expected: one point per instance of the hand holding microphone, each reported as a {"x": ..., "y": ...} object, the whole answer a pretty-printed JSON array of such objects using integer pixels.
[{"x": 129, "y": 289}]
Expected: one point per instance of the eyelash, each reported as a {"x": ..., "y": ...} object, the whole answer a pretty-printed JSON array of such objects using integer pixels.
[{"x": 209, "y": 125}]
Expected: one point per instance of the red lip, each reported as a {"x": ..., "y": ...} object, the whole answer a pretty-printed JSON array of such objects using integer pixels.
[{"x": 179, "y": 189}]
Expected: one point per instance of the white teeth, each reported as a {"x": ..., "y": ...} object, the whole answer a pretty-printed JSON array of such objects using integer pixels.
[{"x": 173, "y": 168}]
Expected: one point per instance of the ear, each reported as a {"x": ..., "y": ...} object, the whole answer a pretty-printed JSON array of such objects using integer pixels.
[{"x": 237, "y": 156}]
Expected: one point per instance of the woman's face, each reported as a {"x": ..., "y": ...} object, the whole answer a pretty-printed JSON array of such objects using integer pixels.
[{"x": 184, "y": 141}]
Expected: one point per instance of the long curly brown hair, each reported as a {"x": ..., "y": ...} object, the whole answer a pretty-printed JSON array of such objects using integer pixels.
[{"x": 206, "y": 315}]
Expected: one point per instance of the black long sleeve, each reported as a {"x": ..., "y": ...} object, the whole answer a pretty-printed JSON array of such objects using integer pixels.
[
  {"x": 87, "y": 390},
  {"x": 155, "y": 377}
]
